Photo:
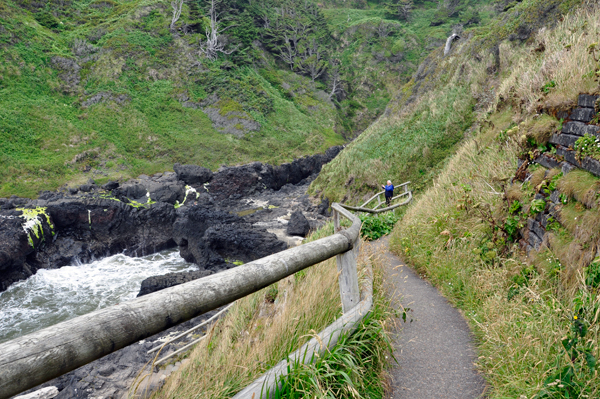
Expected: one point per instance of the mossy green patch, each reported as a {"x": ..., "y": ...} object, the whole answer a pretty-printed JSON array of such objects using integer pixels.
[
  {"x": 188, "y": 190},
  {"x": 33, "y": 222}
]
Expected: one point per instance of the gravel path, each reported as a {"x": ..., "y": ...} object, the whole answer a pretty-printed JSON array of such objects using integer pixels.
[{"x": 435, "y": 351}]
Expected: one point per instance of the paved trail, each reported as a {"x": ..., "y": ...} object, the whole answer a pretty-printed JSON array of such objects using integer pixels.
[{"x": 435, "y": 352}]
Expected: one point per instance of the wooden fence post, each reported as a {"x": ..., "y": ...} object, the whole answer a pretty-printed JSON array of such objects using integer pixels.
[
  {"x": 336, "y": 221},
  {"x": 348, "y": 278}
]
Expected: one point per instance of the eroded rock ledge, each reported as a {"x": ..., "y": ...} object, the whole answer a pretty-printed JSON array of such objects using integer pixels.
[{"x": 192, "y": 208}]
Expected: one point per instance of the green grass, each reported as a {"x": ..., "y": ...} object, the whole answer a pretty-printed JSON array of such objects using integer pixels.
[
  {"x": 376, "y": 226},
  {"x": 431, "y": 113},
  {"x": 408, "y": 149},
  {"x": 43, "y": 126},
  {"x": 519, "y": 308},
  {"x": 535, "y": 317},
  {"x": 340, "y": 19}
]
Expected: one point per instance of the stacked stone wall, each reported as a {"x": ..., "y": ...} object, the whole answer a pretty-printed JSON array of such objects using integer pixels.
[{"x": 576, "y": 124}]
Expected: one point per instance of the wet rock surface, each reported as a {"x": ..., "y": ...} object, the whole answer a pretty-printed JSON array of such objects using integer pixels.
[
  {"x": 192, "y": 174},
  {"x": 157, "y": 283},
  {"x": 152, "y": 213}
]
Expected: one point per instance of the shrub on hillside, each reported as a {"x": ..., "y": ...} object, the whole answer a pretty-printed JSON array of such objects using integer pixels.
[
  {"x": 376, "y": 226},
  {"x": 47, "y": 20}
]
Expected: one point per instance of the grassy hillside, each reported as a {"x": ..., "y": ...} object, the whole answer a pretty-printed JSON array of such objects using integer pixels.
[
  {"x": 458, "y": 129},
  {"x": 437, "y": 108},
  {"x": 109, "y": 89},
  {"x": 105, "y": 94},
  {"x": 536, "y": 315},
  {"x": 378, "y": 50}
]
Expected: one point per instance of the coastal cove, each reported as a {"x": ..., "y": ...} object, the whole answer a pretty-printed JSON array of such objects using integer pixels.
[
  {"x": 193, "y": 209},
  {"x": 259, "y": 203}
]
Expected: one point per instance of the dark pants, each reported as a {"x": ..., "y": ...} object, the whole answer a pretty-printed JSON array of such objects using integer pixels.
[{"x": 388, "y": 197}]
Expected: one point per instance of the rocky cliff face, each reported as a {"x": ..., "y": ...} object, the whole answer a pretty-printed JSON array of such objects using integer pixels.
[{"x": 191, "y": 208}]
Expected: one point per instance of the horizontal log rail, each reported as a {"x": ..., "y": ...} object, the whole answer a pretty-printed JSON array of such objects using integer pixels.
[{"x": 354, "y": 310}]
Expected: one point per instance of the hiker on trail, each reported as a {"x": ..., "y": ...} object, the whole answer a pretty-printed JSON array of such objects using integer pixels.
[{"x": 389, "y": 192}]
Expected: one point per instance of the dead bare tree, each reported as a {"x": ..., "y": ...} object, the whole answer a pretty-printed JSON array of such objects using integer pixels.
[
  {"x": 290, "y": 50},
  {"x": 298, "y": 32},
  {"x": 177, "y": 6},
  {"x": 335, "y": 82},
  {"x": 287, "y": 52},
  {"x": 214, "y": 41},
  {"x": 401, "y": 8},
  {"x": 266, "y": 21}
]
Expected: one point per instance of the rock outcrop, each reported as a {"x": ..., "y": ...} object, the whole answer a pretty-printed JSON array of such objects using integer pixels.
[
  {"x": 298, "y": 225},
  {"x": 192, "y": 174},
  {"x": 157, "y": 283},
  {"x": 146, "y": 215}
]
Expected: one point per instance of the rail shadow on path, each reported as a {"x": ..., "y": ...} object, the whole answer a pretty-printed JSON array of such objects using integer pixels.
[{"x": 435, "y": 351}]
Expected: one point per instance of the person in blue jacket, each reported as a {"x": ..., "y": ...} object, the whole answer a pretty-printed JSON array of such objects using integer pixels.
[{"x": 389, "y": 192}]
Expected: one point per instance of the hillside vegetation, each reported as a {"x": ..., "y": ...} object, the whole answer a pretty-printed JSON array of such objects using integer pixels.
[
  {"x": 438, "y": 107},
  {"x": 458, "y": 130},
  {"x": 110, "y": 89}
]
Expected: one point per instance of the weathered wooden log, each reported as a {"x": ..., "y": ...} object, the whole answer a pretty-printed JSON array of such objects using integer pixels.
[
  {"x": 35, "y": 358},
  {"x": 44, "y": 393}
]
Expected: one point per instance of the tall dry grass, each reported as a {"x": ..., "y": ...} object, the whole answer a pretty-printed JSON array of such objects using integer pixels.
[
  {"x": 258, "y": 332},
  {"x": 357, "y": 366},
  {"x": 519, "y": 330},
  {"x": 520, "y": 308},
  {"x": 560, "y": 55}
]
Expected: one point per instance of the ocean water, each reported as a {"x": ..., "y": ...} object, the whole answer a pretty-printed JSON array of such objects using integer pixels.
[{"x": 52, "y": 296}]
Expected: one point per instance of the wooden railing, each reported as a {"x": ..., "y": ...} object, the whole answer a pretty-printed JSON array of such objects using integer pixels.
[
  {"x": 38, "y": 357},
  {"x": 353, "y": 310},
  {"x": 363, "y": 208}
]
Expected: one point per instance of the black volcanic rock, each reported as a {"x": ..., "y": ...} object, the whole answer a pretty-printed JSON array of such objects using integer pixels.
[
  {"x": 192, "y": 174},
  {"x": 240, "y": 180},
  {"x": 157, "y": 283},
  {"x": 89, "y": 224},
  {"x": 189, "y": 229},
  {"x": 96, "y": 228},
  {"x": 241, "y": 241},
  {"x": 298, "y": 225},
  {"x": 208, "y": 237},
  {"x": 323, "y": 208},
  {"x": 131, "y": 190},
  {"x": 111, "y": 185},
  {"x": 247, "y": 179}
]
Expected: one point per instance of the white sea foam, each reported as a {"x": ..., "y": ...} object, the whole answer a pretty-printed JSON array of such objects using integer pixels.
[{"x": 52, "y": 296}]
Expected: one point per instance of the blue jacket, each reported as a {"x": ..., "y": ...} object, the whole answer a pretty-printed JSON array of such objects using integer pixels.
[{"x": 389, "y": 189}]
